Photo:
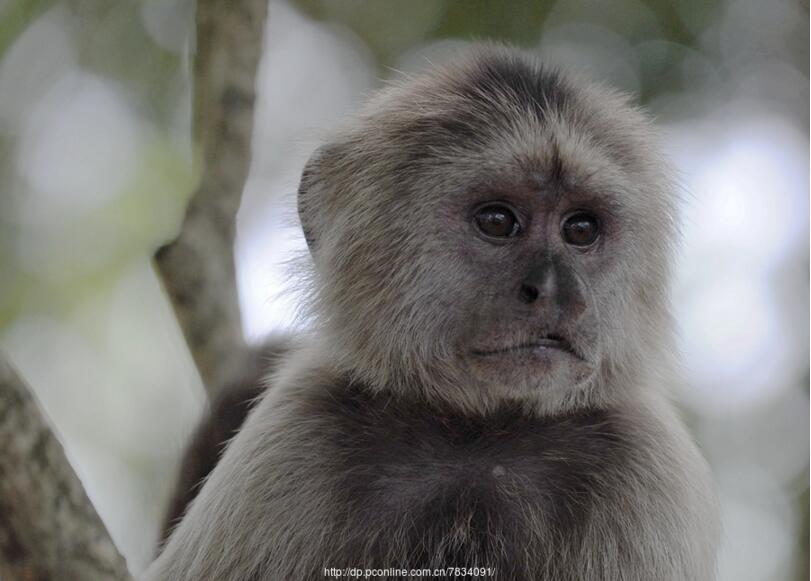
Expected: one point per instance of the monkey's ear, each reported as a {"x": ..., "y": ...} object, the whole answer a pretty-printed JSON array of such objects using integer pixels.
[{"x": 308, "y": 195}]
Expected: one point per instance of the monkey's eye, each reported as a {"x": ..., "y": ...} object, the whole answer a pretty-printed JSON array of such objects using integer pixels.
[
  {"x": 497, "y": 221},
  {"x": 581, "y": 229}
]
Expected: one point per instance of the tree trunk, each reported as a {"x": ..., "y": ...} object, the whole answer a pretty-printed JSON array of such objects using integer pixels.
[
  {"x": 49, "y": 530},
  {"x": 198, "y": 267}
]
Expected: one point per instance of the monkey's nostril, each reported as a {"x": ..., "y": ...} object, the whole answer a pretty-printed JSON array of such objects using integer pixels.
[{"x": 528, "y": 293}]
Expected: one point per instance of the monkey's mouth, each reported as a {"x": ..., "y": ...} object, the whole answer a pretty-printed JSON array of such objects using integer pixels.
[{"x": 547, "y": 342}]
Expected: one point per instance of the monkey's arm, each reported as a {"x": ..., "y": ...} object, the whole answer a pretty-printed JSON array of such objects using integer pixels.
[
  {"x": 258, "y": 510},
  {"x": 220, "y": 424},
  {"x": 224, "y": 419}
]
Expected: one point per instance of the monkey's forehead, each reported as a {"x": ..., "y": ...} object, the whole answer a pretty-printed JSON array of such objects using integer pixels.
[
  {"x": 500, "y": 96},
  {"x": 496, "y": 112}
]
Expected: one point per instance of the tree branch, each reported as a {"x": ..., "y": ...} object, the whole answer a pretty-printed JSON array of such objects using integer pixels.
[
  {"x": 49, "y": 530},
  {"x": 198, "y": 267}
]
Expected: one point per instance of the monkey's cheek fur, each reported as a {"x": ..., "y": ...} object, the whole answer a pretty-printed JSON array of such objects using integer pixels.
[{"x": 532, "y": 369}]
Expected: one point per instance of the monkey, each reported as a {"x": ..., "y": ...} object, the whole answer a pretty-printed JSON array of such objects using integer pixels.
[{"x": 483, "y": 392}]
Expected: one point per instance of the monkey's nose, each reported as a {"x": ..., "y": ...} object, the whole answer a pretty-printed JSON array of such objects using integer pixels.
[
  {"x": 528, "y": 293},
  {"x": 540, "y": 285}
]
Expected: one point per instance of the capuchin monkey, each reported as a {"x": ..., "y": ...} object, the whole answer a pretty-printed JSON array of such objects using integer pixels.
[{"x": 483, "y": 391}]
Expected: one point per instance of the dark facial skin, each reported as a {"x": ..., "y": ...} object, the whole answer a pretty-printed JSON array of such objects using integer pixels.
[{"x": 532, "y": 248}]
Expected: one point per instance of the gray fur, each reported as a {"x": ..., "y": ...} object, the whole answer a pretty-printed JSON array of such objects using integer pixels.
[{"x": 389, "y": 439}]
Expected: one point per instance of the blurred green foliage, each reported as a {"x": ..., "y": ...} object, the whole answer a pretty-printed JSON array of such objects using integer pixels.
[
  {"x": 16, "y": 17},
  {"x": 388, "y": 26},
  {"x": 111, "y": 42}
]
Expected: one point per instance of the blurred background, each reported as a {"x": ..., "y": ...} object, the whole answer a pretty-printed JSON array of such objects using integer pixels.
[{"x": 96, "y": 165}]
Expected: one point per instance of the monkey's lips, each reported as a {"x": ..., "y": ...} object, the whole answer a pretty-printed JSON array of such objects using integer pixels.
[
  {"x": 529, "y": 365},
  {"x": 541, "y": 346}
]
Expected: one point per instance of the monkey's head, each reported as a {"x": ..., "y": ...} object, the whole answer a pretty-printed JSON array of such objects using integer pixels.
[{"x": 492, "y": 230}]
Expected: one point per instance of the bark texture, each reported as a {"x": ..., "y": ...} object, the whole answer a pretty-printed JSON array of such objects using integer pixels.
[
  {"x": 49, "y": 530},
  {"x": 198, "y": 267}
]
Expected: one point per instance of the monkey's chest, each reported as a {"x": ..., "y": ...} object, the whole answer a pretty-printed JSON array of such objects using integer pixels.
[
  {"x": 460, "y": 486},
  {"x": 449, "y": 491}
]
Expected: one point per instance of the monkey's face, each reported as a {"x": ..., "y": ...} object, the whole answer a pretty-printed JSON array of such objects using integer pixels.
[
  {"x": 531, "y": 235},
  {"x": 499, "y": 230},
  {"x": 530, "y": 254}
]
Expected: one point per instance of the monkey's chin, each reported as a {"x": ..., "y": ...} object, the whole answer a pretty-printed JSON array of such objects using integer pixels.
[{"x": 531, "y": 369}]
